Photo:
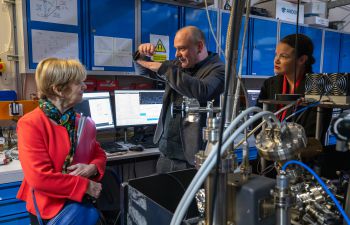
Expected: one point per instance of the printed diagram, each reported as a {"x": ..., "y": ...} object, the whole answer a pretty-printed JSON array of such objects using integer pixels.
[
  {"x": 54, "y": 11},
  {"x": 54, "y": 44},
  {"x": 50, "y": 8}
]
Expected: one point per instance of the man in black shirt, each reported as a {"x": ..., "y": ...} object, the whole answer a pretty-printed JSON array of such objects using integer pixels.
[{"x": 196, "y": 73}]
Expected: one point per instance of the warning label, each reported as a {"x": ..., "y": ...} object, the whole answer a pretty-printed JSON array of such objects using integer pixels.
[
  {"x": 159, "y": 58},
  {"x": 160, "y": 47},
  {"x": 161, "y": 51}
]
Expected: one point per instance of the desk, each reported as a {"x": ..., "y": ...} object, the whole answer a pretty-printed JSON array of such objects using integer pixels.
[
  {"x": 11, "y": 172},
  {"x": 119, "y": 156},
  {"x": 132, "y": 164}
]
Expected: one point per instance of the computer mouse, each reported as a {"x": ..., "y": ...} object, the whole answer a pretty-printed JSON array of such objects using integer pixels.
[{"x": 136, "y": 148}]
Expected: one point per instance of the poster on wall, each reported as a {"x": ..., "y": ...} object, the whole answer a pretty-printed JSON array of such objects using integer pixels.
[
  {"x": 161, "y": 42},
  {"x": 111, "y": 51},
  {"x": 54, "y": 44},
  {"x": 53, "y": 11}
]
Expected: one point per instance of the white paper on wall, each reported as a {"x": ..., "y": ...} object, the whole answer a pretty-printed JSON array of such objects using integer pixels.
[
  {"x": 53, "y": 11},
  {"x": 54, "y": 44},
  {"x": 123, "y": 52},
  {"x": 110, "y": 51}
]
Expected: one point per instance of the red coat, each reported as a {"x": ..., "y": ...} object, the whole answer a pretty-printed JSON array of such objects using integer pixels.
[{"x": 43, "y": 147}]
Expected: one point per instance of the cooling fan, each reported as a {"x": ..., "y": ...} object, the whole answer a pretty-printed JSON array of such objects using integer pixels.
[
  {"x": 315, "y": 84},
  {"x": 338, "y": 84},
  {"x": 334, "y": 87}
]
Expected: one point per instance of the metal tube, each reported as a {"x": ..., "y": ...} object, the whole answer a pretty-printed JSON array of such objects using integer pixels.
[
  {"x": 318, "y": 123},
  {"x": 282, "y": 200},
  {"x": 232, "y": 54},
  {"x": 220, "y": 210}
]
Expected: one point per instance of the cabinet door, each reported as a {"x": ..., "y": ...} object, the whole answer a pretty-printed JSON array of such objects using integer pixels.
[
  {"x": 159, "y": 19},
  {"x": 54, "y": 29},
  {"x": 314, "y": 34},
  {"x": 264, "y": 39},
  {"x": 225, "y": 16},
  {"x": 331, "y": 52},
  {"x": 287, "y": 29},
  {"x": 344, "y": 58},
  {"x": 111, "y": 35},
  {"x": 198, "y": 18}
]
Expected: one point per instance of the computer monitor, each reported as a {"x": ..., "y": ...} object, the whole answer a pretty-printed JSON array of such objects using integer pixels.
[
  {"x": 97, "y": 105},
  {"x": 137, "y": 107},
  {"x": 253, "y": 96}
]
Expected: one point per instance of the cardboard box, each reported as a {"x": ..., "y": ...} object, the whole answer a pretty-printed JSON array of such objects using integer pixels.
[
  {"x": 316, "y": 21},
  {"x": 315, "y": 9},
  {"x": 283, "y": 10}
]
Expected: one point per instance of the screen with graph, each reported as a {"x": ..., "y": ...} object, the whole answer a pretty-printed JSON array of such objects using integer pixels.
[{"x": 137, "y": 107}]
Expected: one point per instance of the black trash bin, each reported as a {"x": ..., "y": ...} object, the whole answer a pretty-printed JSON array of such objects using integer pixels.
[{"x": 153, "y": 200}]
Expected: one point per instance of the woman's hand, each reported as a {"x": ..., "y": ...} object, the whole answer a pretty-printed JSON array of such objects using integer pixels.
[
  {"x": 94, "y": 189},
  {"x": 83, "y": 170}
]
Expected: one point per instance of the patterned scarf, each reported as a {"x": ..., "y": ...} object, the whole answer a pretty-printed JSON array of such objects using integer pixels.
[{"x": 67, "y": 120}]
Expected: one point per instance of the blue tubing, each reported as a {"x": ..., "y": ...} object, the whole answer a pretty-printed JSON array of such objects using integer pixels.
[{"x": 346, "y": 218}]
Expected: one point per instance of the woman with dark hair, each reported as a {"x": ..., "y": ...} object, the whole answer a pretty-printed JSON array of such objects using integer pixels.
[{"x": 290, "y": 67}]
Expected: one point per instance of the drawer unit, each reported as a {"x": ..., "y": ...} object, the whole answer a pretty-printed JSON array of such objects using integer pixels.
[
  {"x": 12, "y": 210},
  {"x": 18, "y": 219}
]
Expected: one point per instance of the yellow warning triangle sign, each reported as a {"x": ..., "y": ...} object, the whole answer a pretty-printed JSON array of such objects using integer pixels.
[{"x": 160, "y": 47}]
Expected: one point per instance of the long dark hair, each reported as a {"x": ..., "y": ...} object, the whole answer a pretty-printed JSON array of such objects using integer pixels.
[{"x": 305, "y": 47}]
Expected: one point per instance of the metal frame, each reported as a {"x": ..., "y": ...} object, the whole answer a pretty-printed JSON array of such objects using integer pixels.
[{"x": 24, "y": 59}]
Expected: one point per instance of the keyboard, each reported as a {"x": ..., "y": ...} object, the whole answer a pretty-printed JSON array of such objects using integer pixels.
[
  {"x": 111, "y": 147},
  {"x": 149, "y": 145}
]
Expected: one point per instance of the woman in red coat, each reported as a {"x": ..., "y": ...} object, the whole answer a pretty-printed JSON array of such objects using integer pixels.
[{"x": 47, "y": 143}]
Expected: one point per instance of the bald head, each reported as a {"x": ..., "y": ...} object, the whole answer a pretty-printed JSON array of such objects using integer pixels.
[
  {"x": 190, "y": 46},
  {"x": 191, "y": 33}
]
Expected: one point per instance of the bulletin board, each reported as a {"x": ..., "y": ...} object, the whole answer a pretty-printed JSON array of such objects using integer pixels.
[
  {"x": 54, "y": 30},
  {"x": 110, "y": 35},
  {"x": 159, "y": 23}
]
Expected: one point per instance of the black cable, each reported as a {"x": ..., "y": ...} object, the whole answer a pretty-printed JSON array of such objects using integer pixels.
[
  {"x": 118, "y": 215},
  {"x": 155, "y": 79},
  {"x": 134, "y": 167},
  {"x": 221, "y": 131},
  {"x": 122, "y": 172},
  {"x": 296, "y": 48}
]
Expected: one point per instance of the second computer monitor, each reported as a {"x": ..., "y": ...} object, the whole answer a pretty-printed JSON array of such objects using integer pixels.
[
  {"x": 137, "y": 107},
  {"x": 253, "y": 96},
  {"x": 97, "y": 105}
]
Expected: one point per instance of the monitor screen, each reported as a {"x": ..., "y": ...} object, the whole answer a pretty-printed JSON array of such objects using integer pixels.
[
  {"x": 253, "y": 96},
  {"x": 137, "y": 107},
  {"x": 98, "y": 106}
]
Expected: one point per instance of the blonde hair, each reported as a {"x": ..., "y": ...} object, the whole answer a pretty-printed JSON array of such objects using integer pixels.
[{"x": 59, "y": 73}]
